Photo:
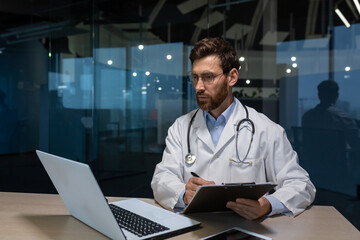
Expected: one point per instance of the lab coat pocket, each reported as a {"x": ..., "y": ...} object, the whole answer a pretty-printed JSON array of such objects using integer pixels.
[{"x": 253, "y": 170}]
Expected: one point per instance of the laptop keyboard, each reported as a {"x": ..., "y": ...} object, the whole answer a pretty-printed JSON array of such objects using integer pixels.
[{"x": 134, "y": 223}]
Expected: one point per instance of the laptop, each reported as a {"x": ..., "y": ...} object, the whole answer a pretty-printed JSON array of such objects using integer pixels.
[{"x": 85, "y": 201}]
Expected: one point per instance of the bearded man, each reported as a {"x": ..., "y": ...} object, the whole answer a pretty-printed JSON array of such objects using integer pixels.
[{"x": 222, "y": 129}]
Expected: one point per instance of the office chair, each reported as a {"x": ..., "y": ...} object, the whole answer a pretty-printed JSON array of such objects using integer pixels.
[{"x": 323, "y": 154}]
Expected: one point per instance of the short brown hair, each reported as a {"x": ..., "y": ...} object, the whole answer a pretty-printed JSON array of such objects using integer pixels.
[{"x": 216, "y": 46}]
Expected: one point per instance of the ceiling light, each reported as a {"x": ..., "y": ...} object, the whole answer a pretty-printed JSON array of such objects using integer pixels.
[
  {"x": 141, "y": 47},
  {"x": 109, "y": 62},
  {"x": 241, "y": 59},
  {"x": 356, "y": 2},
  {"x": 288, "y": 70},
  {"x": 293, "y": 59},
  {"x": 247, "y": 81},
  {"x": 147, "y": 73},
  {"x": 294, "y": 65},
  {"x": 343, "y": 19},
  {"x": 168, "y": 57},
  {"x": 159, "y": 88},
  {"x": 347, "y": 68},
  {"x": 134, "y": 74}
]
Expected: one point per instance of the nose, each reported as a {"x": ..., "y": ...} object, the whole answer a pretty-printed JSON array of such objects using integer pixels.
[{"x": 199, "y": 86}]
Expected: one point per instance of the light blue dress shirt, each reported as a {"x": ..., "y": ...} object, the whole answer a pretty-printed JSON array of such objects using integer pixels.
[{"x": 215, "y": 127}]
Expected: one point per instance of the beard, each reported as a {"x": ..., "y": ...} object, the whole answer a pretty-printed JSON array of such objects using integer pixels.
[{"x": 214, "y": 101}]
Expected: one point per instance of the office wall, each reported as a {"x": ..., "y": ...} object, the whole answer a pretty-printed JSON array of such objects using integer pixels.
[{"x": 101, "y": 81}]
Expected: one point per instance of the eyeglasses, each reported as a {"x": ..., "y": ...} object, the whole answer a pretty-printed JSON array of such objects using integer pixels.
[{"x": 207, "y": 78}]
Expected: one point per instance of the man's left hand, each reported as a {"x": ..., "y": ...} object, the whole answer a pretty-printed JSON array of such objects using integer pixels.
[{"x": 250, "y": 209}]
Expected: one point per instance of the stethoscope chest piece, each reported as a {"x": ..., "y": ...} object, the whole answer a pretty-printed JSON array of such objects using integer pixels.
[{"x": 190, "y": 158}]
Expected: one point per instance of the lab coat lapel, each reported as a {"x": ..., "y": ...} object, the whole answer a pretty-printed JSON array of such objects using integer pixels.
[
  {"x": 229, "y": 131},
  {"x": 202, "y": 131}
]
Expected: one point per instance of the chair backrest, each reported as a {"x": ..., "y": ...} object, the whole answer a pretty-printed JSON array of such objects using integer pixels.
[
  {"x": 322, "y": 152},
  {"x": 324, "y": 142}
]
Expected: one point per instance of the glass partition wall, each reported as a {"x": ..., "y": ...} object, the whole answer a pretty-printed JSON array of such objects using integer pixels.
[{"x": 101, "y": 81}]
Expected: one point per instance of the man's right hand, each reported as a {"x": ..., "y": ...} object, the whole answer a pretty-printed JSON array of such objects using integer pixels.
[{"x": 191, "y": 186}]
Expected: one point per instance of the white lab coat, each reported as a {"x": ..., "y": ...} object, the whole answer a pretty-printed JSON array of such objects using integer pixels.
[{"x": 271, "y": 153}]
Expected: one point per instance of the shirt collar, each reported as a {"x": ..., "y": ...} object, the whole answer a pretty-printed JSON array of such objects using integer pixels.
[{"x": 226, "y": 114}]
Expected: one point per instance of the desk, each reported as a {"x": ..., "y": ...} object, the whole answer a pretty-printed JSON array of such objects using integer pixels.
[{"x": 44, "y": 216}]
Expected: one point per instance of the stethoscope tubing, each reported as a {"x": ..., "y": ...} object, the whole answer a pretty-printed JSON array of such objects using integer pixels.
[
  {"x": 246, "y": 119},
  {"x": 188, "y": 132}
]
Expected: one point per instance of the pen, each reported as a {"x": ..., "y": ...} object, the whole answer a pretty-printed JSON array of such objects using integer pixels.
[{"x": 195, "y": 175}]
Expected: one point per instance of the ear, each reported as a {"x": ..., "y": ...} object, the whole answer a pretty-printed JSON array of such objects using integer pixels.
[{"x": 233, "y": 76}]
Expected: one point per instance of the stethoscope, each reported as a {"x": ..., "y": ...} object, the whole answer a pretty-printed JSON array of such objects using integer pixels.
[{"x": 191, "y": 158}]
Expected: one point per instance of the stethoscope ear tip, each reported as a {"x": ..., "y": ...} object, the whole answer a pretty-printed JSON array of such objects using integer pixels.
[
  {"x": 232, "y": 160},
  {"x": 190, "y": 158}
]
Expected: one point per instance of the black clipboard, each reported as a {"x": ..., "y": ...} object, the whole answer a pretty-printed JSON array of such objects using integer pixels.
[{"x": 213, "y": 198}]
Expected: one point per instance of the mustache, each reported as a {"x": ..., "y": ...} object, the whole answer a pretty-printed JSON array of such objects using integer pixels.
[{"x": 201, "y": 93}]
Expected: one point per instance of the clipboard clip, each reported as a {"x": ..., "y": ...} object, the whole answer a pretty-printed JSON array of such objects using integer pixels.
[{"x": 238, "y": 184}]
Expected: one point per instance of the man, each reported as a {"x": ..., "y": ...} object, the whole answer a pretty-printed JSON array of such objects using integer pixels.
[
  {"x": 212, "y": 139},
  {"x": 326, "y": 116}
]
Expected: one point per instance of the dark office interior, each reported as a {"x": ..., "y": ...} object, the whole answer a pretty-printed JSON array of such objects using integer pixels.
[{"x": 101, "y": 81}]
